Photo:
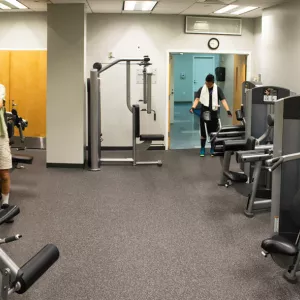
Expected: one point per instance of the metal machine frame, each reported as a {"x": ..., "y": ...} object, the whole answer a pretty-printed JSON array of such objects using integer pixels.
[
  {"x": 95, "y": 135},
  {"x": 284, "y": 245}
]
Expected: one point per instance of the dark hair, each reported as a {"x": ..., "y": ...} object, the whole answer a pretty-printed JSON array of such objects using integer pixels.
[{"x": 210, "y": 78}]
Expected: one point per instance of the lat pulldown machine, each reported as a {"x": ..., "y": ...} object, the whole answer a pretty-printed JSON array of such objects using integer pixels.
[{"x": 94, "y": 115}]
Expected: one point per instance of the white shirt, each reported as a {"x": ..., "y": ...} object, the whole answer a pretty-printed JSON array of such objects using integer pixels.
[{"x": 2, "y": 92}]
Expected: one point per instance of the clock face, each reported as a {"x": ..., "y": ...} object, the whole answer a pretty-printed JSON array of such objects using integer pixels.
[{"x": 213, "y": 44}]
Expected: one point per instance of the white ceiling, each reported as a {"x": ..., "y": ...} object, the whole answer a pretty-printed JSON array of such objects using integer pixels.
[{"x": 175, "y": 7}]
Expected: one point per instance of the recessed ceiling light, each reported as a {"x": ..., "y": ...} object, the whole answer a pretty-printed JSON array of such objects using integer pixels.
[
  {"x": 244, "y": 10},
  {"x": 17, "y": 4},
  {"x": 226, "y": 9},
  {"x": 2, "y": 6},
  {"x": 139, "y": 5}
]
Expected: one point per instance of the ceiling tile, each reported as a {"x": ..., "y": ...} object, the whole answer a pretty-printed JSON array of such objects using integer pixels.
[
  {"x": 202, "y": 9},
  {"x": 106, "y": 6},
  {"x": 164, "y": 7}
]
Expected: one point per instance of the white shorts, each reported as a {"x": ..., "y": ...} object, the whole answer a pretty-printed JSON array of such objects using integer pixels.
[{"x": 5, "y": 154}]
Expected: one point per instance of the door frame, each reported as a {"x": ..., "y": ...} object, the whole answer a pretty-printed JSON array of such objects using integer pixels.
[
  {"x": 202, "y": 56},
  {"x": 200, "y": 51}
]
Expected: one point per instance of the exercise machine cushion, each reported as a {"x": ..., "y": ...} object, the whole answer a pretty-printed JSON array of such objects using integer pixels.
[
  {"x": 228, "y": 134},
  {"x": 8, "y": 213},
  {"x": 234, "y": 145},
  {"x": 152, "y": 137},
  {"x": 233, "y": 128},
  {"x": 220, "y": 141},
  {"x": 236, "y": 177},
  {"x": 22, "y": 159},
  {"x": 279, "y": 245},
  {"x": 36, "y": 267}
]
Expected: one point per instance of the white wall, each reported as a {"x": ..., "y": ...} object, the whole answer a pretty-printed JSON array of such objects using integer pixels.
[
  {"x": 154, "y": 34},
  {"x": 281, "y": 46},
  {"x": 227, "y": 61},
  {"x": 258, "y": 47},
  {"x": 23, "y": 30}
]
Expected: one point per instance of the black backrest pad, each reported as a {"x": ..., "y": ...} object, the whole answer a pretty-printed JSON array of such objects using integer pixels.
[
  {"x": 250, "y": 143},
  {"x": 136, "y": 112}
]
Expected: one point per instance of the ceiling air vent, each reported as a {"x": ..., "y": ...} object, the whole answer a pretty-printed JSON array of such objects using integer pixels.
[{"x": 211, "y": 25}]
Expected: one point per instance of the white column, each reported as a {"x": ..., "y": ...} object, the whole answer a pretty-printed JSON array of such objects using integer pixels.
[{"x": 66, "y": 42}]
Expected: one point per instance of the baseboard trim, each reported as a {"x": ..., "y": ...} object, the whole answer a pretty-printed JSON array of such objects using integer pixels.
[
  {"x": 65, "y": 166},
  {"x": 108, "y": 148}
]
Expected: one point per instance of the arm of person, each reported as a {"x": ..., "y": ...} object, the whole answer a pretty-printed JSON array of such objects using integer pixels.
[
  {"x": 196, "y": 102},
  {"x": 225, "y": 105},
  {"x": 2, "y": 95},
  {"x": 1, "y": 103}
]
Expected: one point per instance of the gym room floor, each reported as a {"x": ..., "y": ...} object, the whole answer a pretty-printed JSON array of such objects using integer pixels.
[{"x": 152, "y": 233}]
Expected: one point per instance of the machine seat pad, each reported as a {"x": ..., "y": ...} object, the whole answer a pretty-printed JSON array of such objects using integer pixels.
[
  {"x": 233, "y": 128},
  {"x": 152, "y": 137},
  {"x": 279, "y": 245},
  {"x": 234, "y": 145},
  {"x": 220, "y": 140},
  {"x": 22, "y": 159},
  {"x": 8, "y": 213},
  {"x": 236, "y": 177}
]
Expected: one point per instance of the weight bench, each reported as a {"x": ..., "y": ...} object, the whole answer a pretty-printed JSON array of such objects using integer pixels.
[
  {"x": 147, "y": 139},
  {"x": 21, "y": 159}
]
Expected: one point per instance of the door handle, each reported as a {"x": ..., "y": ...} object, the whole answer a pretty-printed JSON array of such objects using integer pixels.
[
  {"x": 13, "y": 103},
  {"x": 195, "y": 81}
]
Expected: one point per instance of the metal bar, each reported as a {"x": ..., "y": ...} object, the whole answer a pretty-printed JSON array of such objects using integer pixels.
[
  {"x": 265, "y": 135},
  {"x": 256, "y": 174},
  {"x": 133, "y": 137},
  {"x": 255, "y": 157},
  {"x": 128, "y": 86},
  {"x": 7, "y": 262},
  {"x": 145, "y": 84},
  {"x": 116, "y": 160},
  {"x": 95, "y": 128},
  {"x": 264, "y": 147},
  {"x": 158, "y": 162},
  {"x": 149, "y": 91},
  {"x": 225, "y": 167},
  {"x": 263, "y": 202},
  {"x": 116, "y": 62}
]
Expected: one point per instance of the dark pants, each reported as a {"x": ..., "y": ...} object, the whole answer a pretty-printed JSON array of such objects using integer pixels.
[{"x": 212, "y": 126}]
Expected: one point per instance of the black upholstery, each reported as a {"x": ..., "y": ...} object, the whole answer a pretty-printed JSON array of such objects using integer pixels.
[
  {"x": 228, "y": 134},
  {"x": 230, "y": 145},
  {"x": 236, "y": 177},
  {"x": 279, "y": 245},
  {"x": 220, "y": 141},
  {"x": 270, "y": 120},
  {"x": 251, "y": 142},
  {"x": 136, "y": 112},
  {"x": 8, "y": 213},
  {"x": 239, "y": 115},
  {"x": 151, "y": 137},
  {"x": 22, "y": 159},
  {"x": 233, "y": 128}
]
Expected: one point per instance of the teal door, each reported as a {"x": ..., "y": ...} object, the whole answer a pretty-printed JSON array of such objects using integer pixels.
[{"x": 203, "y": 65}]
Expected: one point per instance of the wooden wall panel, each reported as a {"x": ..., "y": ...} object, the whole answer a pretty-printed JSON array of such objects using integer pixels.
[
  {"x": 28, "y": 71},
  {"x": 4, "y": 73}
]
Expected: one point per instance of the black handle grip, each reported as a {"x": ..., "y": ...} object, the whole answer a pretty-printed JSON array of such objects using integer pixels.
[
  {"x": 12, "y": 238},
  {"x": 36, "y": 267},
  {"x": 239, "y": 115}
]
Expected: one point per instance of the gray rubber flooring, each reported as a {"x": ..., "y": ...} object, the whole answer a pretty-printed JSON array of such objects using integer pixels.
[{"x": 152, "y": 233}]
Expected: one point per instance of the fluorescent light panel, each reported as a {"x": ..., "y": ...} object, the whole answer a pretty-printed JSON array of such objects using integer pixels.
[
  {"x": 244, "y": 10},
  {"x": 139, "y": 5},
  {"x": 226, "y": 9},
  {"x": 2, "y": 6},
  {"x": 16, "y": 4}
]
